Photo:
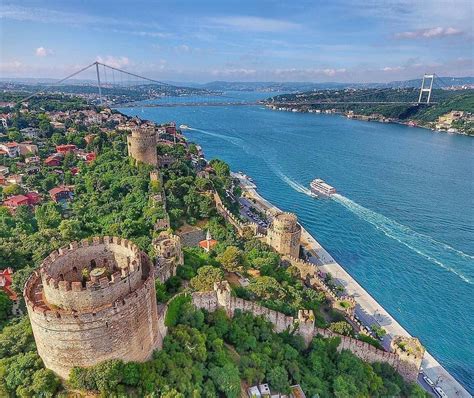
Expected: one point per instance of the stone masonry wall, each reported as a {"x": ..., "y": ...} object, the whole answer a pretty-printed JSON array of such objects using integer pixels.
[
  {"x": 123, "y": 327},
  {"x": 304, "y": 325}
]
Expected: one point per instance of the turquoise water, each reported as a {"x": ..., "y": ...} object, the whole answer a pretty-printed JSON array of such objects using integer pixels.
[{"x": 403, "y": 224}]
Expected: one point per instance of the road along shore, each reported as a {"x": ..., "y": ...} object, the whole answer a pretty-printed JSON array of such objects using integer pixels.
[{"x": 368, "y": 310}]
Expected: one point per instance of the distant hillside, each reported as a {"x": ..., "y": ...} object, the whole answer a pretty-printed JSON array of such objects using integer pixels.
[
  {"x": 308, "y": 86},
  {"x": 398, "y": 104}
]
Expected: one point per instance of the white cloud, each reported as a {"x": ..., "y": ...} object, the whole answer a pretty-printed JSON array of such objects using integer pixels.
[
  {"x": 393, "y": 68},
  {"x": 43, "y": 52},
  {"x": 431, "y": 33},
  {"x": 115, "y": 62},
  {"x": 256, "y": 24}
]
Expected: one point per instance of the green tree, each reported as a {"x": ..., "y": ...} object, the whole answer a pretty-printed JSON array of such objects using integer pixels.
[
  {"x": 231, "y": 258},
  {"x": 71, "y": 230},
  {"x": 48, "y": 216},
  {"x": 13, "y": 189},
  {"x": 5, "y": 307},
  {"x": 226, "y": 379},
  {"x": 45, "y": 383},
  {"x": 341, "y": 327},
  {"x": 206, "y": 277},
  {"x": 278, "y": 379}
]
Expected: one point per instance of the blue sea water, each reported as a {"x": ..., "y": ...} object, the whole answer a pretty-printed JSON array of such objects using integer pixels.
[{"x": 403, "y": 224}]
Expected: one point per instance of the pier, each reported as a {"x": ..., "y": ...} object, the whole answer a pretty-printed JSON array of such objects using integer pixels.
[{"x": 368, "y": 310}]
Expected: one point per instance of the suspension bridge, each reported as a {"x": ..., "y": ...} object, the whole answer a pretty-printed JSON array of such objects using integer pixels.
[{"x": 118, "y": 88}]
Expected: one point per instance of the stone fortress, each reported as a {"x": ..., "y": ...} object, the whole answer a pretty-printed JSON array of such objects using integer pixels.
[
  {"x": 284, "y": 234},
  {"x": 141, "y": 144},
  {"x": 94, "y": 301}
]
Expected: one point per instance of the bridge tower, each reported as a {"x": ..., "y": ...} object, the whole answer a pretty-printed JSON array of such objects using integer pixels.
[{"x": 426, "y": 86}]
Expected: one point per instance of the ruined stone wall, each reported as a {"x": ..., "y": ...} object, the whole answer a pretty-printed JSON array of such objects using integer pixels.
[
  {"x": 114, "y": 318},
  {"x": 141, "y": 145}
]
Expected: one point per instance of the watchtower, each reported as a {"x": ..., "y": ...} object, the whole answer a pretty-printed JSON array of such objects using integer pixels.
[
  {"x": 284, "y": 234},
  {"x": 93, "y": 301},
  {"x": 142, "y": 145}
]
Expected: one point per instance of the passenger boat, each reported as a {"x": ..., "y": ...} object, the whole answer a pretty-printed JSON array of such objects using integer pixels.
[{"x": 318, "y": 186}]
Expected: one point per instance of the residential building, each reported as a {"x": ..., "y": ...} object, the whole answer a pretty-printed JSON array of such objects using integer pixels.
[
  {"x": 27, "y": 148},
  {"x": 31, "y": 132},
  {"x": 66, "y": 148},
  {"x": 6, "y": 279},
  {"x": 11, "y": 148},
  {"x": 60, "y": 193}
]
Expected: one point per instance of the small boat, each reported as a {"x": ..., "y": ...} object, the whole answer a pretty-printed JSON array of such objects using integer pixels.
[{"x": 184, "y": 127}]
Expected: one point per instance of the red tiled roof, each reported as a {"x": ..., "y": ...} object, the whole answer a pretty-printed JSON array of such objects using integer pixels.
[
  {"x": 17, "y": 200},
  {"x": 57, "y": 190},
  {"x": 208, "y": 244},
  {"x": 6, "y": 281},
  {"x": 11, "y": 144}
]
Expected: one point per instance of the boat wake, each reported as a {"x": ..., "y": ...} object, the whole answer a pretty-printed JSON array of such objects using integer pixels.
[
  {"x": 436, "y": 252},
  {"x": 233, "y": 140},
  {"x": 293, "y": 184}
]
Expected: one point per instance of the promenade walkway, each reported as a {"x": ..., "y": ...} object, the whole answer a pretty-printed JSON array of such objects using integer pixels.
[{"x": 367, "y": 309}]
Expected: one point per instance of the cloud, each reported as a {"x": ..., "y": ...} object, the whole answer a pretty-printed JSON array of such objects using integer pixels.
[
  {"x": 115, "y": 62},
  {"x": 431, "y": 33},
  {"x": 393, "y": 68},
  {"x": 43, "y": 52},
  {"x": 256, "y": 24}
]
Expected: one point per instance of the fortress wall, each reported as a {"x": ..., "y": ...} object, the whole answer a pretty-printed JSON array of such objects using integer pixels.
[
  {"x": 127, "y": 329},
  {"x": 164, "y": 270},
  {"x": 239, "y": 226},
  {"x": 205, "y": 300},
  {"x": 221, "y": 298}
]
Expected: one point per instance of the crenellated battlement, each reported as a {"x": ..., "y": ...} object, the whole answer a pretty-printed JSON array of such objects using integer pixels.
[{"x": 92, "y": 301}]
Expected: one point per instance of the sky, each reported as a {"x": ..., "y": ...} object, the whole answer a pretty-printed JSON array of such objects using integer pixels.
[{"x": 244, "y": 40}]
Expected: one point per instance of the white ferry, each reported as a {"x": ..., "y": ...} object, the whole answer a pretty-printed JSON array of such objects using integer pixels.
[
  {"x": 318, "y": 186},
  {"x": 184, "y": 127}
]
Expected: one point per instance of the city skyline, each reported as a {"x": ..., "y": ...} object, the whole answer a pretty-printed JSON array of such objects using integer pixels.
[{"x": 346, "y": 41}]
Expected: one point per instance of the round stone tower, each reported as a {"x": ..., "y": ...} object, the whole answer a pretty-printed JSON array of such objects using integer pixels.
[
  {"x": 142, "y": 145},
  {"x": 284, "y": 234},
  {"x": 93, "y": 301}
]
